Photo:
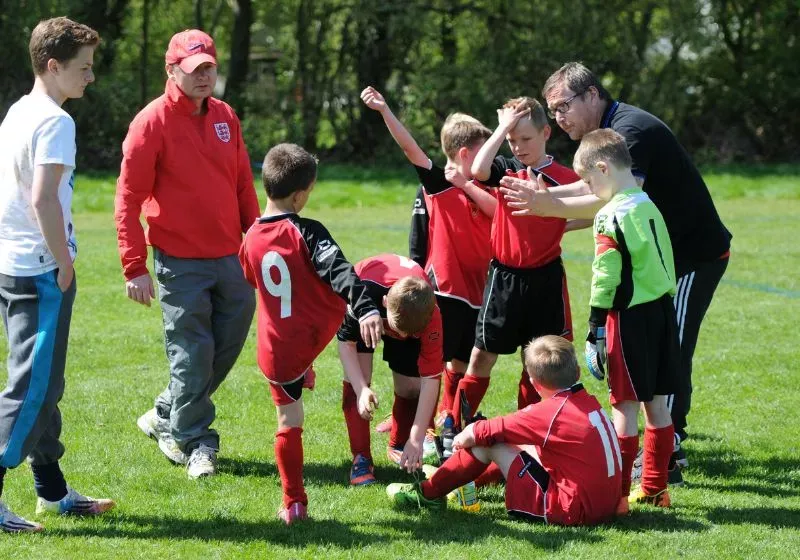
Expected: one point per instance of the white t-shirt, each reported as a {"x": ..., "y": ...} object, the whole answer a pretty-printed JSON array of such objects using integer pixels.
[{"x": 35, "y": 131}]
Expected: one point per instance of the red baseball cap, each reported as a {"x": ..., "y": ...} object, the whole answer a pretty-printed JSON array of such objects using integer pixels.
[{"x": 189, "y": 49}]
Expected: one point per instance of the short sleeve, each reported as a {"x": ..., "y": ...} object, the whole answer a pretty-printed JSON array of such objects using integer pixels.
[
  {"x": 432, "y": 179},
  {"x": 54, "y": 142},
  {"x": 500, "y": 165}
]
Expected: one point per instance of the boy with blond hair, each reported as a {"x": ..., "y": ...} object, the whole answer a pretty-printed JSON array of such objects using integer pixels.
[
  {"x": 37, "y": 278},
  {"x": 304, "y": 284},
  {"x": 412, "y": 347},
  {"x": 559, "y": 457},
  {"x": 526, "y": 293},
  {"x": 632, "y": 326},
  {"x": 450, "y": 229}
]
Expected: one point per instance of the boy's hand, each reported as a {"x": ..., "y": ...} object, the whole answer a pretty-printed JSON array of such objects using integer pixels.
[
  {"x": 595, "y": 352},
  {"x": 310, "y": 378},
  {"x": 371, "y": 330},
  {"x": 507, "y": 117},
  {"x": 465, "y": 439},
  {"x": 367, "y": 403},
  {"x": 373, "y": 99},
  {"x": 64, "y": 277},
  {"x": 411, "y": 459},
  {"x": 454, "y": 177}
]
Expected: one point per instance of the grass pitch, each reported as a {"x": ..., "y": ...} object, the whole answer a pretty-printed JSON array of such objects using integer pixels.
[{"x": 742, "y": 499}]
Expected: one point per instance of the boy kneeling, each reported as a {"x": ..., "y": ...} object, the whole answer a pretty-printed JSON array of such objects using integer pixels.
[{"x": 560, "y": 456}]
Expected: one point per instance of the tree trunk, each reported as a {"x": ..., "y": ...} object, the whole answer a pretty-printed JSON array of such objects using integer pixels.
[
  {"x": 143, "y": 59},
  {"x": 240, "y": 55}
]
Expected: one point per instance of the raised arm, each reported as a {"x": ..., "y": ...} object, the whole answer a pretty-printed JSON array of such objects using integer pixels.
[
  {"x": 507, "y": 119},
  {"x": 373, "y": 99}
]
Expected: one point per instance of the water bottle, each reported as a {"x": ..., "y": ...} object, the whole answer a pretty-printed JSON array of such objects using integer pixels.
[
  {"x": 467, "y": 497},
  {"x": 448, "y": 433}
]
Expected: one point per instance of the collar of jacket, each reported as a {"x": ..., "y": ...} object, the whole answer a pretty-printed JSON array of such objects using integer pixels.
[{"x": 179, "y": 101}]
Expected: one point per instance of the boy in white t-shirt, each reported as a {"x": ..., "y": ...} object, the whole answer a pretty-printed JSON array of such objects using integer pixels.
[{"x": 37, "y": 280}]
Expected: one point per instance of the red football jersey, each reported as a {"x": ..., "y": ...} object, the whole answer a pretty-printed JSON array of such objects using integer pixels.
[
  {"x": 304, "y": 284},
  {"x": 527, "y": 241},
  {"x": 380, "y": 273},
  {"x": 458, "y": 250},
  {"x": 578, "y": 447}
]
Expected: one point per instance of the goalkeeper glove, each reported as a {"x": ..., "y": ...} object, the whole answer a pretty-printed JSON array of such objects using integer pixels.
[{"x": 596, "y": 351}]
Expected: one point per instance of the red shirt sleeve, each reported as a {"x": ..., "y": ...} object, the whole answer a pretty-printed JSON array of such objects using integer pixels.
[
  {"x": 431, "y": 354},
  {"x": 249, "y": 273},
  {"x": 249, "y": 210},
  {"x": 523, "y": 427},
  {"x": 135, "y": 185}
]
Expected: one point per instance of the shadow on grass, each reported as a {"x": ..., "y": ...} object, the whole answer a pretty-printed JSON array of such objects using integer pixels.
[
  {"x": 426, "y": 527},
  {"x": 772, "y": 517},
  {"x": 733, "y": 472},
  {"x": 313, "y": 473}
]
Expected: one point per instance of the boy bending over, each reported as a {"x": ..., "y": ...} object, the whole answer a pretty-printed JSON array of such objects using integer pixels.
[
  {"x": 632, "y": 326},
  {"x": 304, "y": 284},
  {"x": 412, "y": 346},
  {"x": 560, "y": 456}
]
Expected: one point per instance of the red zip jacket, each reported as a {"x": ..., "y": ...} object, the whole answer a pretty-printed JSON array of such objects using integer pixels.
[{"x": 190, "y": 176}]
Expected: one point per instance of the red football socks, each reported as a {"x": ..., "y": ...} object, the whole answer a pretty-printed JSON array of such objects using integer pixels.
[
  {"x": 628, "y": 447},
  {"x": 403, "y": 412},
  {"x": 451, "y": 380},
  {"x": 357, "y": 427},
  {"x": 658, "y": 446},
  {"x": 459, "y": 469},
  {"x": 474, "y": 388},
  {"x": 492, "y": 475},
  {"x": 289, "y": 457},
  {"x": 527, "y": 394}
]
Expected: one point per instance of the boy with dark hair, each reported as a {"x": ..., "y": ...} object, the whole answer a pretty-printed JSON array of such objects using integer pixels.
[
  {"x": 37, "y": 279},
  {"x": 450, "y": 228},
  {"x": 632, "y": 326},
  {"x": 412, "y": 346},
  {"x": 304, "y": 284},
  {"x": 559, "y": 457},
  {"x": 526, "y": 294}
]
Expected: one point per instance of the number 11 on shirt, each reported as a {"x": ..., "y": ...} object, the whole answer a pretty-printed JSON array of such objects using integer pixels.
[{"x": 602, "y": 423}]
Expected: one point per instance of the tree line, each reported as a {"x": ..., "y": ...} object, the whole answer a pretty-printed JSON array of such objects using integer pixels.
[{"x": 722, "y": 73}]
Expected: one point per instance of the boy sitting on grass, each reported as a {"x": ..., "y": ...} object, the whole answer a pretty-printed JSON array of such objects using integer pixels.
[
  {"x": 632, "y": 325},
  {"x": 304, "y": 284},
  {"x": 560, "y": 456}
]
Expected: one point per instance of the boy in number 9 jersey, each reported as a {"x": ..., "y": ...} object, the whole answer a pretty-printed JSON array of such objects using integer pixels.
[{"x": 304, "y": 285}]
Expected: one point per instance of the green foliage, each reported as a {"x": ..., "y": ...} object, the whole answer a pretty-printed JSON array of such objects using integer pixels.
[
  {"x": 723, "y": 74},
  {"x": 743, "y": 493}
]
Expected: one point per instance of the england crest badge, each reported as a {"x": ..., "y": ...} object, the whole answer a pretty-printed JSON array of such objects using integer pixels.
[{"x": 223, "y": 131}]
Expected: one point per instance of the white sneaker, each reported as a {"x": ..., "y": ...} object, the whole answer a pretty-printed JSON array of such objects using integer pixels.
[
  {"x": 152, "y": 425},
  {"x": 158, "y": 428},
  {"x": 202, "y": 462},
  {"x": 74, "y": 503},
  {"x": 10, "y": 522},
  {"x": 169, "y": 447}
]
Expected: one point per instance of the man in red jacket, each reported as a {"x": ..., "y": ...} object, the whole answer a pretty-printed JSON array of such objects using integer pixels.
[{"x": 185, "y": 166}]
